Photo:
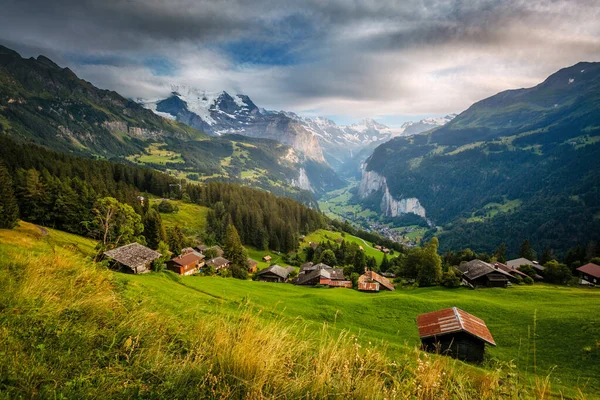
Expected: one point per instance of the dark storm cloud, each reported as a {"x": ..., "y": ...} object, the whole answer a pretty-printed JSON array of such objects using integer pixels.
[{"x": 356, "y": 57}]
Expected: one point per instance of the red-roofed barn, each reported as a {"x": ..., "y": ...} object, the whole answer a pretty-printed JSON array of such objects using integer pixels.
[
  {"x": 454, "y": 332},
  {"x": 589, "y": 274}
]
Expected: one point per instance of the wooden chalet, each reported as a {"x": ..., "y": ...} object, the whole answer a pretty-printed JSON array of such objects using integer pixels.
[
  {"x": 187, "y": 250},
  {"x": 477, "y": 273},
  {"x": 513, "y": 272},
  {"x": 202, "y": 248},
  {"x": 186, "y": 264},
  {"x": 385, "y": 250},
  {"x": 454, "y": 332},
  {"x": 133, "y": 258},
  {"x": 218, "y": 263},
  {"x": 306, "y": 267},
  {"x": 252, "y": 265},
  {"x": 266, "y": 258},
  {"x": 589, "y": 274},
  {"x": 371, "y": 281},
  {"x": 274, "y": 273},
  {"x": 322, "y": 274}
]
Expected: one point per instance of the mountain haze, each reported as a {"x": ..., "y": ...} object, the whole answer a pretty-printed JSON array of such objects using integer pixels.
[
  {"x": 521, "y": 164},
  {"x": 49, "y": 105}
]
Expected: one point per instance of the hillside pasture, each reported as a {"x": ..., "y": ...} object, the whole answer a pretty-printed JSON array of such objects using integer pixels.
[{"x": 167, "y": 336}]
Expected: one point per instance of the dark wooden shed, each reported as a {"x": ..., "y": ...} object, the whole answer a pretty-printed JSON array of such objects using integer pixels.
[
  {"x": 274, "y": 273},
  {"x": 477, "y": 273},
  {"x": 454, "y": 332}
]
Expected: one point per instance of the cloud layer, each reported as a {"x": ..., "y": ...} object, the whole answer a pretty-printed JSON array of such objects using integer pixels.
[{"x": 347, "y": 58}]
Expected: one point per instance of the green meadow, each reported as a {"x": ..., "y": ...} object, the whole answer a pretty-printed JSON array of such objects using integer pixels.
[
  {"x": 546, "y": 318},
  {"x": 322, "y": 235},
  {"x": 71, "y": 328},
  {"x": 191, "y": 218}
]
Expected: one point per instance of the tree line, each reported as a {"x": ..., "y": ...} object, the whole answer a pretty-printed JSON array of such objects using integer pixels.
[{"x": 70, "y": 193}]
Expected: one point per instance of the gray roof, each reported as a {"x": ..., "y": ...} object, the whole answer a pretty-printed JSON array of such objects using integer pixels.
[
  {"x": 277, "y": 270},
  {"x": 306, "y": 266},
  {"x": 337, "y": 274},
  {"x": 218, "y": 262},
  {"x": 310, "y": 275},
  {"x": 517, "y": 262},
  {"x": 475, "y": 269},
  {"x": 133, "y": 255}
]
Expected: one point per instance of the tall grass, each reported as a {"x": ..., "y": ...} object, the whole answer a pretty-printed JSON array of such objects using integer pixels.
[{"x": 67, "y": 330}]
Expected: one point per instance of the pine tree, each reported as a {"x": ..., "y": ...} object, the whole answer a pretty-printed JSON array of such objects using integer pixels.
[
  {"x": 154, "y": 231},
  {"x": 9, "y": 210},
  {"x": 500, "y": 253},
  {"x": 385, "y": 264},
  {"x": 236, "y": 253},
  {"x": 547, "y": 256},
  {"x": 526, "y": 250},
  {"x": 175, "y": 239}
]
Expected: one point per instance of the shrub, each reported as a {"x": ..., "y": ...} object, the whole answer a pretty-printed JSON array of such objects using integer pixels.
[
  {"x": 450, "y": 279},
  {"x": 528, "y": 269},
  {"x": 528, "y": 280},
  {"x": 167, "y": 207}
]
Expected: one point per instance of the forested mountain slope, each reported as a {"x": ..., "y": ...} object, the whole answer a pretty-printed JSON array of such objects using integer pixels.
[
  {"x": 49, "y": 105},
  {"x": 521, "y": 164}
]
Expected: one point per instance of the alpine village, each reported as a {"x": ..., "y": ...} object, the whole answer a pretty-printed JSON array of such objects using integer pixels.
[{"x": 163, "y": 241}]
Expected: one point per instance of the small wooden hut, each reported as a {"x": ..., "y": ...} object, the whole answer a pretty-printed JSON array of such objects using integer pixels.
[
  {"x": 454, "y": 332},
  {"x": 477, "y": 273},
  {"x": 133, "y": 258},
  {"x": 371, "y": 281},
  {"x": 274, "y": 273}
]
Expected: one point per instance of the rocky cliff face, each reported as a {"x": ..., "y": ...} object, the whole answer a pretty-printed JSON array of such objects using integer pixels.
[
  {"x": 372, "y": 182},
  {"x": 303, "y": 182}
]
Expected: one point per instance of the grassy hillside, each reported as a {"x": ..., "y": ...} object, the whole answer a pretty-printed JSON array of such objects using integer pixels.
[
  {"x": 73, "y": 329},
  {"x": 191, "y": 218},
  {"x": 323, "y": 235}
]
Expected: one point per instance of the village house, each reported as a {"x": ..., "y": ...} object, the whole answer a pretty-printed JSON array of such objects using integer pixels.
[
  {"x": 306, "y": 267},
  {"x": 187, "y": 263},
  {"x": 202, "y": 248},
  {"x": 218, "y": 263},
  {"x": 252, "y": 265},
  {"x": 266, "y": 258},
  {"x": 589, "y": 274},
  {"x": 378, "y": 247},
  {"x": 274, "y": 273},
  {"x": 371, "y": 281},
  {"x": 513, "y": 272},
  {"x": 187, "y": 250},
  {"x": 322, "y": 274},
  {"x": 477, "y": 273},
  {"x": 314, "y": 245},
  {"x": 385, "y": 250},
  {"x": 454, "y": 332},
  {"x": 133, "y": 258}
]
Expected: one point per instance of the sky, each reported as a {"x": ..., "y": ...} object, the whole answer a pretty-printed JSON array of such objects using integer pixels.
[{"x": 345, "y": 59}]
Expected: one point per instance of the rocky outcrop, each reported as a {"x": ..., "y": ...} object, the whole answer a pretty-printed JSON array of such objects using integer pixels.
[
  {"x": 302, "y": 181},
  {"x": 372, "y": 182}
]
